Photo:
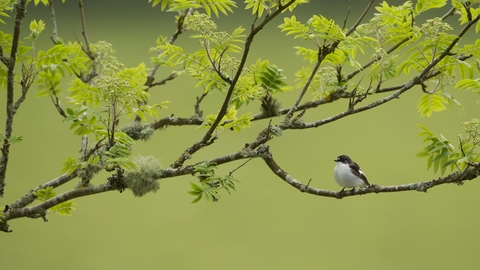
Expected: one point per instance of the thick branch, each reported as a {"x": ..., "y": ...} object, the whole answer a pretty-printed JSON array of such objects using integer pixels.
[
  {"x": 40, "y": 209},
  {"x": 29, "y": 197},
  {"x": 469, "y": 174},
  {"x": 175, "y": 121}
]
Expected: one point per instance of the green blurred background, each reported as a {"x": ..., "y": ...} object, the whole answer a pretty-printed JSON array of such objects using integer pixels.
[{"x": 266, "y": 224}]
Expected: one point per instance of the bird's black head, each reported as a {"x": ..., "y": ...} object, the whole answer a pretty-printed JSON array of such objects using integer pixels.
[{"x": 344, "y": 159}]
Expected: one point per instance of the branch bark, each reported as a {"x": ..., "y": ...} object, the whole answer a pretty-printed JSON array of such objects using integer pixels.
[
  {"x": 470, "y": 173},
  {"x": 39, "y": 210}
]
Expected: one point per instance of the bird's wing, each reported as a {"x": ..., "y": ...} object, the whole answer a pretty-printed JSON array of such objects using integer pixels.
[{"x": 358, "y": 172}]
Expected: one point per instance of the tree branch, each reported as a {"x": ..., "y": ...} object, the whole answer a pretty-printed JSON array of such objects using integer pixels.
[
  {"x": 93, "y": 73},
  {"x": 54, "y": 36},
  {"x": 419, "y": 79},
  {"x": 84, "y": 31},
  {"x": 164, "y": 81},
  {"x": 223, "y": 110},
  {"x": 39, "y": 210},
  {"x": 56, "y": 182},
  {"x": 21, "y": 13},
  {"x": 180, "y": 29},
  {"x": 357, "y": 23},
  {"x": 468, "y": 174},
  {"x": 321, "y": 56},
  {"x": 175, "y": 121}
]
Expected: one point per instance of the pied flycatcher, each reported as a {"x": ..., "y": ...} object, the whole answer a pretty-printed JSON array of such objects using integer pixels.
[{"x": 348, "y": 174}]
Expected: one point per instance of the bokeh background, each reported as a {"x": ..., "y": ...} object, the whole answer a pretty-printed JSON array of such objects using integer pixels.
[{"x": 266, "y": 224}]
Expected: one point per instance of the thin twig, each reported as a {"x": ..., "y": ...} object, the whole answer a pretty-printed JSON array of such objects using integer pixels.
[
  {"x": 198, "y": 111},
  {"x": 54, "y": 36},
  {"x": 180, "y": 29},
  {"x": 357, "y": 23},
  {"x": 241, "y": 165},
  {"x": 164, "y": 81},
  {"x": 305, "y": 87},
  {"x": 84, "y": 31},
  {"x": 348, "y": 14}
]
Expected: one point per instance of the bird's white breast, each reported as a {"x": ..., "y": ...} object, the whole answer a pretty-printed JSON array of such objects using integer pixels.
[{"x": 345, "y": 178}]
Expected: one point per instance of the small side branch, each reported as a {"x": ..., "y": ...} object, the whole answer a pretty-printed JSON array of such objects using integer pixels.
[
  {"x": 93, "y": 73},
  {"x": 180, "y": 29},
  {"x": 289, "y": 115},
  {"x": 357, "y": 23},
  {"x": 10, "y": 106},
  {"x": 164, "y": 81},
  {"x": 54, "y": 36},
  {"x": 84, "y": 31}
]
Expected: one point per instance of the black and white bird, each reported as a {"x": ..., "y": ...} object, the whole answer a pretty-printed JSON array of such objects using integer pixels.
[{"x": 348, "y": 174}]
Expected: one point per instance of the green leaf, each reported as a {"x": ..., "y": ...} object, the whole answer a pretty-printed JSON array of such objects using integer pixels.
[
  {"x": 210, "y": 185},
  {"x": 239, "y": 123},
  {"x": 424, "y": 5},
  {"x": 430, "y": 103},
  {"x": 156, "y": 2},
  {"x": 44, "y": 194},
  {"x": 217, "y": 5},
  {"x": 15, "y": 139},
  {"x": 70, "y": 165},
  {"x": 294, "y": 27},
  {"x": 64, "y": 209},
  {"x": 468, "y": 84},
  {"x": 198, "y": 198}
]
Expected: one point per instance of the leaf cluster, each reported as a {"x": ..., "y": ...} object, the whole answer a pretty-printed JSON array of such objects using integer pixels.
[
  {"x": 442, "y": 155},
  {"x": 54, "y": 64},
  {"x": 213, "y": 63},
  {"x": 414, "y": 48},
  {"x": 117, "y": 156},
  {"x": 230, "y": 121},
  {"x": 210, "y": 184},
  {"x": 318, "y": 30},
  {"x": 65, "y": 208}
]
